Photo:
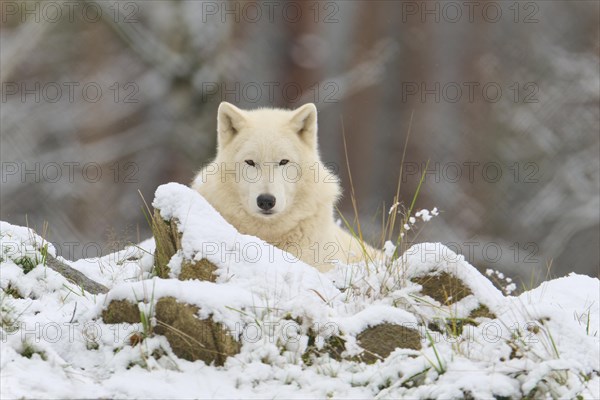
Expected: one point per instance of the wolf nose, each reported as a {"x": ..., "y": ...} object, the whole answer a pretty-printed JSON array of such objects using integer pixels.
[{"x": 265, "y": 201}]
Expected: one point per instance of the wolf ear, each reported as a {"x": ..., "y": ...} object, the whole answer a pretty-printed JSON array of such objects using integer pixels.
[
  {"x": 304, "y": 122},
  {"x": 229, "y": 121}
]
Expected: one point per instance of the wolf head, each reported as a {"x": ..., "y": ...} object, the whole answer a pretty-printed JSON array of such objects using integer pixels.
[{"x": 268, "y": 159}]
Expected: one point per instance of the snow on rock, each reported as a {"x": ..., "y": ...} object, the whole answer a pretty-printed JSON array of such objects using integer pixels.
[
  {"x": 372, "y": 316},
  {"x": 242, "y": 259},
  {"x": 55, "y": 344},
  {"x": 220, "y": 302},
  {"x": 427, "y": 259}
]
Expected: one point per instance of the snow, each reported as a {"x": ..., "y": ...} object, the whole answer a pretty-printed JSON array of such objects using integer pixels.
[
  {"x": 372, "y": 316},
  {"x": 272, "y": 300}
]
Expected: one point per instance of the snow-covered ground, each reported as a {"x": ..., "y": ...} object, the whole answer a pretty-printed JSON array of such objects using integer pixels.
[{"x": 544, "y": 343}]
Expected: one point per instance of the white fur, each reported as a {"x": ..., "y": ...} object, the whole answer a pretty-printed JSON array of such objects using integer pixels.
[{"x": 302, "y": 221}]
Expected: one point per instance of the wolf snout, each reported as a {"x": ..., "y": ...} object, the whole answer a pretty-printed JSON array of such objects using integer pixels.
[{"x": 265, "y": 202}]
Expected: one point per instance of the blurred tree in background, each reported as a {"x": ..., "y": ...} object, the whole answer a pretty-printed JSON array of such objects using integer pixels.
[{"x": 102, "y": 99}]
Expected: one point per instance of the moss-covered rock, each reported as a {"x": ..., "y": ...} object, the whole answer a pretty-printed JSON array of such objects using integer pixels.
[
  {"x": 202, "y": 270},
  {"x": 168, "y": 242},
  {"x": 454, "y": 326},
  {"x": 193, "y": 338},
  {"x": 443, "y": 287},
  {"x": 121, "y": 311},
  {"x": 482, "y": 312},
  {"x": 381, "y": 340},
  {"x": 190, "y": 337}
]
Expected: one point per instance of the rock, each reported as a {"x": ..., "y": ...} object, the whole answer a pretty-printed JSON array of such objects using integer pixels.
[
  {"x": 74, "y": 276},
  {"x": 482, "y": 312},
  {"x": 120, "y": 311},
  {"x": 447, "y": 290},
  {"x": 168, "y": 242},
  {"x": 381, "y": 340},
  {"x": 443, "y": 287},
  {"x": 192, "y": 338},
  {"x": 202, "y": 270}
]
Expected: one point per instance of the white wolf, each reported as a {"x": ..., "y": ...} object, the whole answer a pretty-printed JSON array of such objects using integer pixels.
[{"x": 268, "y": 180}]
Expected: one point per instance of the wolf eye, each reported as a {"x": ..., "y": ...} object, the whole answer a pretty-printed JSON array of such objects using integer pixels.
[
  {"x": 283, "y": 162},
  {"x": 250, "y": 163}
]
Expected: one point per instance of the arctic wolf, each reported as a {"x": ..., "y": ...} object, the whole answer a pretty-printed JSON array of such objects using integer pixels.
[{"x": 268, "y": 180}]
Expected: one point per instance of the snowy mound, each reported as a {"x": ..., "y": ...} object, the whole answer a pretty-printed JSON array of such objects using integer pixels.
[{"x": 207, "y": 312}]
